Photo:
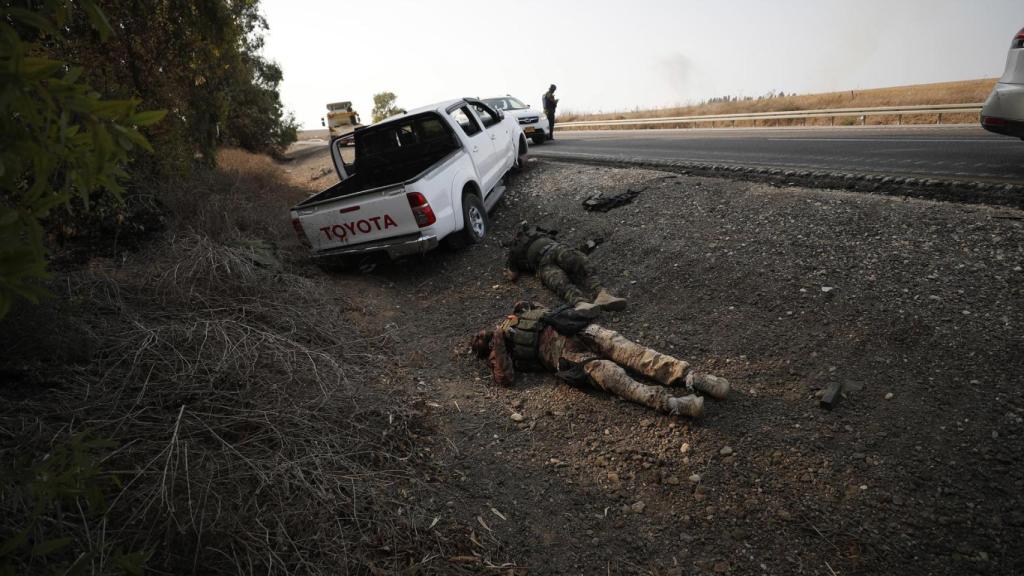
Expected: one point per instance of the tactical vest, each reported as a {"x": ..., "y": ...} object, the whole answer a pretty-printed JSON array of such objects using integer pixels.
[{"x": 523, "y": 339}]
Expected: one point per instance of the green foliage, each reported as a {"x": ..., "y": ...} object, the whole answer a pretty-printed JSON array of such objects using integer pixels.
[
  {"x": 59, "y": 140},
  {"x": 68, "y": 479},
  {"x": 384, "y": 106},
  {"x": 62, "y": 140},
  {"x": 199, "y": 59}
]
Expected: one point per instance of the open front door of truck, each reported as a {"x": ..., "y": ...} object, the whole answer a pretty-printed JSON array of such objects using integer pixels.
[{"x": 337, "y": 150}]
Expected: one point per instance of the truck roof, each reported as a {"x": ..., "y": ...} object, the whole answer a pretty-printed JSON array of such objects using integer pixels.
[{"x": 439, "y": 107}]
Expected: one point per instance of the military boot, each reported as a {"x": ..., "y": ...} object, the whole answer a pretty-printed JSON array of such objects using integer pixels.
[
  {"x": 692, "y": 406},
  {"x": 714, "y": 386},
  {"x": 608, "y": 302}
]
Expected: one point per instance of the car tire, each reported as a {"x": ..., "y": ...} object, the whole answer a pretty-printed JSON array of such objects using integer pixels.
[
  {"x": 538, "y": 139},
  {"x": 476, "y": 224},
  {"x": 524, "y": 153}
]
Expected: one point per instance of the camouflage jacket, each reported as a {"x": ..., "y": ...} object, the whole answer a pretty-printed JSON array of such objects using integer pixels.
[
  {"x": 501, "y": 359},
  {"x": 528, "y": 246}
]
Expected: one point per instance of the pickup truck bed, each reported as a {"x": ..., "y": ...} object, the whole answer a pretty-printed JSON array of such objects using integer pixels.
[{"x": 372, "y": 171}]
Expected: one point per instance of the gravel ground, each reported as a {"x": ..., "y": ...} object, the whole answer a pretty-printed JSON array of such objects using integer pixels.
[{"x": 915, "y": 307}]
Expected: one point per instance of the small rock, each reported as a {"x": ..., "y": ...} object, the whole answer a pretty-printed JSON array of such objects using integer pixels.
[
  {"x": 646, "y": 423},
  {"x": 725, "y": 451},
  {"x": 721, "y": 567},
  {"x": 613, "y": 477},
  {"x": 516, "y": 417},
  {"x": 685, "y": 447},
  {"x": 694, "y": 478},
  {"x": 638, "y": 507},
  {"x": 826, "y": 288},
  {"x": 672, "y": 480},
  {"x": 888, "y": 395}
]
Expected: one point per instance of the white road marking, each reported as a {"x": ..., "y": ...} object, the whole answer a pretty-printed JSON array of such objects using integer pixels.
[{"x": 896, "y": 139}]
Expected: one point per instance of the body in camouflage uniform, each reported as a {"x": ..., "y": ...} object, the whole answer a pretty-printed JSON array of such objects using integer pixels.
[
  {"x": 563, "y": 269},
  {"x": 529, "y": 341}
]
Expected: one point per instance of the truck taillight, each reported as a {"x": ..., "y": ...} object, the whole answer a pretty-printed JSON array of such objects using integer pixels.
[
  {"x": 1018, "y": 40},
  {"x": 421, "y": 209},
  {"x": 301, "y": 233}
]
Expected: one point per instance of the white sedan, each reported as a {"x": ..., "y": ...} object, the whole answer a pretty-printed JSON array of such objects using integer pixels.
[
  {"x": 1003, "y": 112},
  {"x": 534, "y": 123}
]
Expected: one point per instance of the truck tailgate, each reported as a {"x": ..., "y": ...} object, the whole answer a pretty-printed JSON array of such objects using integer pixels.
[{"x": 364, "y": 218}]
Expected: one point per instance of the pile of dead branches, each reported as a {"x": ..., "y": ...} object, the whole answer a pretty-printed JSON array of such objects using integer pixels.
[{"x": 248, "y": 429}]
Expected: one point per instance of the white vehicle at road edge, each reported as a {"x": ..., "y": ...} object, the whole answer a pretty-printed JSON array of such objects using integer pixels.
[
  {"x": 534, "y": 123},
  {"x": 1003, "y": 112},
  {"x": 418, "y": 178}
]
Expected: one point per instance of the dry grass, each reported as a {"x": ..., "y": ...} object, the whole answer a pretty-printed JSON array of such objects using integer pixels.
[
  {"x": 941, "y": 93},
  {"x": 254, "y": 429}
]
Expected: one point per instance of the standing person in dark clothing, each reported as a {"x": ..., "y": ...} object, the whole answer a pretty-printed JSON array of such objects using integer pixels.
[{"x": 550, "y": 103}]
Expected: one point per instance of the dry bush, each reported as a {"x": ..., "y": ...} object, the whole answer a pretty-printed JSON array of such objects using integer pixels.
[
  {"x": 252, "y": 431},
  {"x": 939, "y": 93},
  {"x": 245, "y": 198}
]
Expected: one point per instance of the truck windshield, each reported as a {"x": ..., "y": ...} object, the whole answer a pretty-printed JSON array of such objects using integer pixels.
[{"x": 505, "y": 103}]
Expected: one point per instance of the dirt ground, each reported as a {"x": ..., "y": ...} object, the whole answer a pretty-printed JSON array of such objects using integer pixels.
[{"x": 915, "y": 307}]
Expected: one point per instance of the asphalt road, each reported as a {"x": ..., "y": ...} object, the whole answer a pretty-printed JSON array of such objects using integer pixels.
[{"x": 950, "y": 152}]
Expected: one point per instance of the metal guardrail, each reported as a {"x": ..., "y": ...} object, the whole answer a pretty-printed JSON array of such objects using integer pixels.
[{"x": 862, "y": 113}]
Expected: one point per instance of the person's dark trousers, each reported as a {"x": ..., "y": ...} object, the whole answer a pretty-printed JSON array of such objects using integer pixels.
[{"x": 551, "y": 125}]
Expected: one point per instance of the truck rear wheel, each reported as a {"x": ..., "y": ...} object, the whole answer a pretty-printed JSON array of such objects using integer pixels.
[
  {"x": 474, "y": 218},
  {"x": 538, "y": 138}
]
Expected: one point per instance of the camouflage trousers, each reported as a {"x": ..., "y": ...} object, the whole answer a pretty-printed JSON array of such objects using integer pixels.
[
  {"x": 566, "y": 271},
  {"x": 604, "y": 354}
]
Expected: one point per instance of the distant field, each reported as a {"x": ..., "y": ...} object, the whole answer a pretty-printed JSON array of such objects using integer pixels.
[{"x": 962, "y": 92}]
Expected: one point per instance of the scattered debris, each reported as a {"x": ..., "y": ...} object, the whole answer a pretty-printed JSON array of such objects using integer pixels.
[
  {"x": 598, "y": 202},
  {"x": 321, "y": 173},
  {"x": 591, "y": 245},
  {"x": 831, "y": 396}
]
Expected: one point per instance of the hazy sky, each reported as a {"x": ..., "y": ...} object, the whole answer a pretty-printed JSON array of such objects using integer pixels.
[{"x": 622, "y": 54}]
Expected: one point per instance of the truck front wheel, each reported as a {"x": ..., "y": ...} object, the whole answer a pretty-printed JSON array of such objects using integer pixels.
[
  {"x": 474, "y": 218},
  {"x": 524, "y": 151}
]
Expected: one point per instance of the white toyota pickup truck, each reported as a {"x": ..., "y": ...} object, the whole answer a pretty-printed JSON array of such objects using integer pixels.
[{"x": 417, "y": 178}]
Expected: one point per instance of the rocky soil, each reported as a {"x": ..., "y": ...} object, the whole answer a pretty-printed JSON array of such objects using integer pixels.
[{"x": 914, "y": 307}]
